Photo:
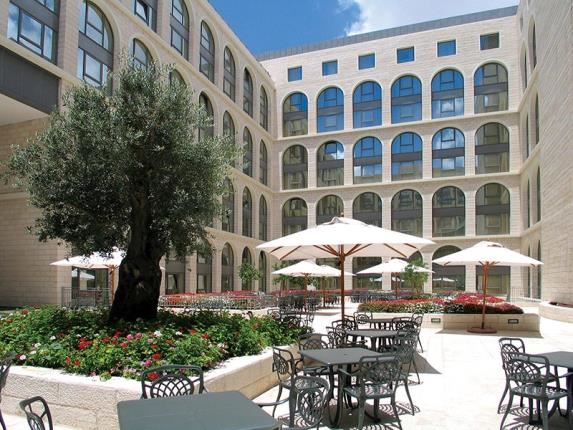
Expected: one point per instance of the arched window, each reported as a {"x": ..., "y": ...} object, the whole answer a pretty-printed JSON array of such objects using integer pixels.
[
  {"x": 246, "y": 258},
  {"x": 263, "y": 219},
  {"x": 369, "y": 282},
  {"x": 146, "y": 10},
  {"x": 526, "y": 137},
  {"x": 492, "y": 148},
  {"x": 367, "y": 159},
  {"x": 528, "y": 275},
  {"x": 406, "y": 157},
  {"x": 247, "y": 213},
  {"x": 538, "y": 295},
  {"x": 230, "y": 74},
  {"x": 330, "y": 164},
  {"x": 528, "y": 206},
  {"x": 447, "y": 279},
  {"x": 228, "y": 216},
  {"x": 406, "y": 99},
  {"x": 490, "y": 88},
  {"x": 448, "y": 152},
  {"x": 95, "y": 46},
  {"x": 205, "y": 103},
  {"x": 407, "y": 212},
  {"x": 180, "y": 27},
  {"x": 204, "y": 273},
  {"x": 263, "y": 164},
  {"x": 492, "y": 210},
  {"x": 536, "y": 113},
  {"x": 367, "y": 207},
  {"x": 227, "y": 268},
  {"x": 295, "y": 168},
  {"x": 247, "y": 152},
  {"x": 367, "y": 105},
  {"x": 295, "y": 115},
  {"x": 448, "y": 212},
  {"x": 248, "y": 93},
  {"x": 229, "y": 129},
  {"x": 498, "y": 280},
  {"x": 294, "y": 216},
  {"x": 207, "y": 53},
  {"x": 447, "y": 94},
  {"x": 538, "y": 195},
  {"x": 533, "y": 47},
  {"x": 263, "y": 271},
  {"x": 524, "y": 70},
  {"x": 140, "y": 53},
  {"x": 264, "y": 109},
  {"x": 175, "y": 79},
  {"x": 330, "y": 110},
  {"x": 327, "y": 208}
]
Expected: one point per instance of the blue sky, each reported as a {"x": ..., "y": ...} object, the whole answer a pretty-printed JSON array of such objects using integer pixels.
[{"x": 268, "y": 25}]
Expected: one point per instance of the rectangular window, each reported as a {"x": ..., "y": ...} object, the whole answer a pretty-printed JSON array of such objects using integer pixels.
[
  {"x": 329, "y": 68},
  {"x": 405, "y": 55},
  {"x": 367, "y": 61},
  {"x": 489, "y": 41},
  {"x": 145, "y": 11},
  {"x": 446, "y": 48},
  {"x": 31, "y": 33},
  {"x": 295, "y": 74}
]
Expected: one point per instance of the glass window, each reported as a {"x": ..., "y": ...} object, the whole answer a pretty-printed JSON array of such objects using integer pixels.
[
  {"x": 294, "y": 216},
  {"x": 538, "y": 194},
  {"x": 207, "y": 53},
  {"x": 492, "y": 148},
  {"x": 524, "y": 70},
  {"x": 406, "y": 99},
  {"x": 264, "y": 109},
  {"x": 295, "y": 168},
  {"x": 229, "y": 129},
  {"x": 229, "y": 76},
  {"x": 175, "y": 78},
  {"x": 448, "y": 212},
  {"x": 533, "y": 47},
  {"x": 490, "y": 88},
  {"x": 536, "y": 113},
  {"x": 327, "y": 208},
  {"x": 405, "y": 55},
  {"x": 499, "y": 280},
  {"x": 365, "y": 282},
  {"x": 367, "y": 105},
  {"x": 295, "y": 74},
  {"x": 295, "y": 115},
  {"x": 263, "y": 164},
  {"x": 407, "y": 212},
  {"x": 367, "y": 161},
  {"x": 528, "y": 206},
  {"x": 407, "y": 157},
  {"x": 228, "y": 203},
  {"x": 492, "y": 210},
  {"x": 489, "y": 41},
  {"x": 330, "y": 110},
  {"x": 263, "y": 270},
  {"x": 447, "y": 47},
  {"x": 205, "y": 103},
  {"x": 180, "y": 27},
  {"x": 248, "y": 93},
  {"x": 447, "y": 279},
  {"x": 329, "y": 68},
  {"x": 367, "y": 61},
  {"x": 447, "y": 94},
  {"x": 330, "y": 163},
  {"x": 247, "y": 229},
  {"x": 263, "y": 219},
  {"x": 141, "y": 55},
  {"x": 227, "y": 268},
  {"x": 146, "y": 10},
  {"x": 247, "y": 152},
  {"x": 204, "y": 273},
  {"x": 448, "y": 153},
  {"x": 32, "y": 32},
  {"x": 367, "y": 207}
]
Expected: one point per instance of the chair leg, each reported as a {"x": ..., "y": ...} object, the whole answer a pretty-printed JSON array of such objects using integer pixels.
[
  {"x": 505, "y": 390},
  {"x": 393, "y": 403},
  {"x": 361, "y": 406},
  {"x": 544, "y": 415},
  {"x": 278, "y": 398},
  {"x": 420, "y": 343},
  {"x": 2, "y": 421},
  {"x": 416, "y": 369},
  {"x": 509, "y": 404},
  {"x": 408, "y": 394}
]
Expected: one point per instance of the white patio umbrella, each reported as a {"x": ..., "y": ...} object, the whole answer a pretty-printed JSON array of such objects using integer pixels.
[
  {"x": 81, "y": 275},
  {"x": 394, "y": 265},
  {"x": 342, "y": 238},
  {"x": 486, "y": 254},
  {"x": 308, "y": 268}
]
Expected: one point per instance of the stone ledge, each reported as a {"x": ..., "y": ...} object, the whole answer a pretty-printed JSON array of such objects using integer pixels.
[{"x": 558, "y": 313}]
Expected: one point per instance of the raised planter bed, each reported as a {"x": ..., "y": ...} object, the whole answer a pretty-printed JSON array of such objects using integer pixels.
[{"x": 559, "y": 313}]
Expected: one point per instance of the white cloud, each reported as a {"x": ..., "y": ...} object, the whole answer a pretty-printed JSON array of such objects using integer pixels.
[{"x": 381, "y": 14}]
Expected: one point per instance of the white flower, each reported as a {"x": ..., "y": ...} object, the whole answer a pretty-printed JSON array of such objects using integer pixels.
[
  {"x": 157, "y": 333},
  {"x": 178, "y": 333},
  {"x": 52, "y": 337},
  {"x": 22, "y": 357},
  {"x": 37, "y": 345},
  {"x": 32, "y": 352}
]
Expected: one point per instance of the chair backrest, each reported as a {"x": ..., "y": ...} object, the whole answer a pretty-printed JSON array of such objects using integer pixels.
[
  {"x": 309, "y": 396},
  {"x": 508, "y": 348},
  {"x": 283, "y": 364},
  {"x": 5, "y": 364},
  {"x": 523, "y": 368},
  {"x": 312, "y": 341},
  {"x": 346, "y": 324},
  {"x": 171, "y": 380},
  {"x": 37, "y": 413},
  {"x": 401, "y": 324},
  {"x": 378, "y": 371},
  {"x": 404, "y": 345},
  {"x": 418, "y": 318},
  {"x": 516, "y": 342},
  {"x": 362, "y": 318}
]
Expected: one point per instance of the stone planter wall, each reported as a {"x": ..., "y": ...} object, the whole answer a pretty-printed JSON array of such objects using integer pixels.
[
  {"x": 88, "y": 403},
  {"x": 559, "y": 313}
]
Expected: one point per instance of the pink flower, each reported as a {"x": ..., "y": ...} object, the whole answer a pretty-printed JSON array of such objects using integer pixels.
[
  {"x": 138, "y": 335},
  {"x": 147, "y": 363},
  {"x": 123, "y": 344},
  {"x": 129, "y": 337}
]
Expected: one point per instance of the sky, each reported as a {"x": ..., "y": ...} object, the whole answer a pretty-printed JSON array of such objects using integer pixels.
[{"x": 269, "y": 25}]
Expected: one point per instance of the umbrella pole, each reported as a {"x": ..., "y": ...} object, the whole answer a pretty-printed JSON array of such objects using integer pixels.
[
  {"x": 484, "y": 288},
  {"x": 341, "y": 261}
]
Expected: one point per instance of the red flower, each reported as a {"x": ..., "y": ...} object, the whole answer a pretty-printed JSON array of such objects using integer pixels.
[
  {"x": 106, "y": 339},
  {"x": 192, "y": 331},
  {"x": 117, "y": 334},
  {"x": 25, "y": 312},
  {"x": 153, "y": 376},
  {"x": 123, "y": 344},
  {"x": 68, "y": 361},
  {"x": 156, "y": 356},
  {"x": 154, "y": 346},
  {"x": 84, "y": 344},
  {"x": 205, "y": 335},
  {"x": 76, "y": 362}
]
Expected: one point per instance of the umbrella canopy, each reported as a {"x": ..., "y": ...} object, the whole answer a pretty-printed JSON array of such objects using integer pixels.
[
  {"x": 308, "y": 268},
  {"x": 342, "y": 238},
  {"x": 394, "y": 265},
  {"x": 82, "y": 274},
  {"x": 93, "y": 261},
  {"x": 486, "y": 254}
]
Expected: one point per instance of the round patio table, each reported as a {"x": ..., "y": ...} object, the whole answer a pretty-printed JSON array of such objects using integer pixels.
[{"x": 378, "y": 338}]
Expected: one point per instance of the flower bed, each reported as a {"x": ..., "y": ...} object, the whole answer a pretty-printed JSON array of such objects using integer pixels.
[
  {"x": 460, "y": 304},
  {"x": 81, "y": 341}
]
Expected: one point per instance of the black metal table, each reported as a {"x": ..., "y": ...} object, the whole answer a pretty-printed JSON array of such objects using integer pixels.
[
  {"x": 338, "y": 357},
  {"x": 373, "y": 335},
  {"x": 381, "y": 323},
  {"x": 229, "y": 410},
  {"x": 562, "y": 359}
]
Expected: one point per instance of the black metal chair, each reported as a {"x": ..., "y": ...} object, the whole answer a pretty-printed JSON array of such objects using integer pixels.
[
  {"x": 362, "y": 318},
  {"x": 313, "y": 341},
  {"x": 377, "y": 378},
  {"x": 508, "y": 346},
  {"x": 37, "y": 413},
  {"x": 5, "y": 364},
  {"x": 286, "y": 369},
  {"x": 528, "y": 377},
  {"x": 418, "y": 319},
  {"x": 172, "y": 380}
]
